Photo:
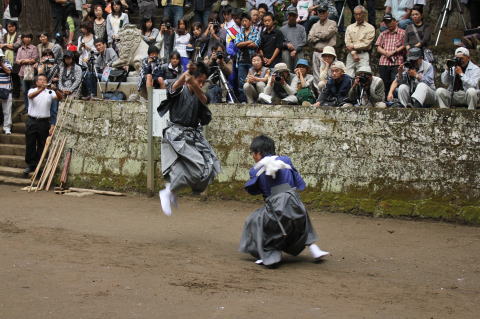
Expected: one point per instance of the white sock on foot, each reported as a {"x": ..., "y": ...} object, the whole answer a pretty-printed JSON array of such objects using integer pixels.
[
  {"x": 165, "y": 196},
  {"x": 259, "y": 262},
  {"x": 316, "y": 252}
]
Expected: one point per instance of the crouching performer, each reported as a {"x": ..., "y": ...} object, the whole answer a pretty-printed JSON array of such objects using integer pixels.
[
  {"x": 282, "y": 225},
  {"x": 187, "y": 157}
]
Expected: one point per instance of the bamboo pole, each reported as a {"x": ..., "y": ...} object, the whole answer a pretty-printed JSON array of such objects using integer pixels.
[{"x": 55, "y": 165}]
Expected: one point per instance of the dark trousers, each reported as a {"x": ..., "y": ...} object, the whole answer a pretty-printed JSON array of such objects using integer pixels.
[
  {"x": 26, "y": 85},
  {"x": 35, "y": 136},
  {"x": 242, "y": 76},
  {"x": 387, "y": 74}
]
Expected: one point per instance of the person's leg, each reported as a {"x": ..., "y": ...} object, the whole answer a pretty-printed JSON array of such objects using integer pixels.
[
  {"x": 291, "y": 99},
  {"x": 44, "y": 128},
  {"x": 392, "y": 74},
  {"x": 250, "y": 93},
  {"x": 242, "y": 75},
  {"x": 444, "y": 98},
  {"x": 25, "y": 87},
  {"x": 383, "y": 73},
  {"x": 404, "y": 95},
  {"x": 350, "y": 65},
  {"x": 31, "y": 134},
  {"x": 424, "y": 95},
  {"x": 471, "y": 98},
  {"x": 286, "y": 59},
  {"x": 404, "y": 23},
  {"x": 371, "y": 13},
  {"x": 7, "y": 114},
  {"x": 177, "y": 14}
]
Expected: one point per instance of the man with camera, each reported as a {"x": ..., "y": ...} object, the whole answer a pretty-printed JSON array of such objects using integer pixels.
[
  {"x": 218, "y": 62},
  {"x": 49, "y": 67},
  {"x": 150, "y": 71},
  {"x": 279, "y": 89},
  {"x": 164, "y": 41},
  {"x": 462, "y": 78},
  {"x": 367, "y": 89},
  {"x": 415, "y": 81},
  {"x": 214, "y": 35},
  {"x": 38, "y": 126}
]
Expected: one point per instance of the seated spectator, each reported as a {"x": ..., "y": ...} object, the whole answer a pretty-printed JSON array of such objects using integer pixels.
[
  {"x": 106, "y": 56},
  {"x": 256, "y": 81},
  {"x": 115, "y": 21},
  {"x": 150, "y": 71},
  {"x": 247, "y": 43},
  {"x": 271, "y": 42},
  {"x": 391, "y": 45},
  {"x": 351, "y": 5},
  {"x": 170, "y": 72},
  {"x": 149, "y": 32},
  {"x": 214, "y": 34},
  {"x": 295, "y": 39},
  {"x": 165, "y": 40},
  {"x": 462, "y": 78},
  {"x": 367, "y": 89},
  {"x": 337, "y": 88},
  {"x": 218, "y": 60},
  {"x": 418, "y": 33},
  {"x": 45, "y": 44},
  {"x": 303, "y": 83},
  {"x": 262, "y": 11},
  {"x": 267, "y": 5},
  {"x": 27, "y": 56},
  {"x": 322, "y": 67},
  {"x": 279, "y": 89},
  {"x": 415, "y": 82},
  {"x": 358, "y": 40},
  {"x": 70, "y": 75},
  {"x": 400, "y": 10},
  {"x": 6, "y": 83},
  {"x": 180, "y": 42}
]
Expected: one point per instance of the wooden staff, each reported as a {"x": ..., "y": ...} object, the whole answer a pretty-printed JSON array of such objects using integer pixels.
[
  {"x": 66, "y": 165},
  {"x": 55, "y": 164}
]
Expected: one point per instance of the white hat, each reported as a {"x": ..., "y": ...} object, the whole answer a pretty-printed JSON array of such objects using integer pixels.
[
  {"x": 1, "y": 53},
  {"x": 338, "y": 65},
  {"x": 462, "y": 51},
  {"x": 329, "y": 50},
  {"x": 280, "y": 67}
]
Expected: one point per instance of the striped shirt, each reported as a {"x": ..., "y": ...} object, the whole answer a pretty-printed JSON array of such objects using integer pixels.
[
  {"x": 390, "y": 41},
  {"x": 5, "y": 81}
]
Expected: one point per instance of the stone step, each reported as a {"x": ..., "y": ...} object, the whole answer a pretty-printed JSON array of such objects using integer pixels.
[
  {"x": 18, "y": 127},
  {"x": 14, "y": 138},
  {"x": 12, "y": 149},
  {"x": 12, "y": 172},
  {"x": 13, "y": 161},
  {"x": 133, "y": 79},
  {"x": 14, "y": 181}
]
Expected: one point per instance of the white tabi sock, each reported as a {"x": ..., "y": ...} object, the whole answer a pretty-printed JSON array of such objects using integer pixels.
[
  {"x": 259, "y": 262},
  {"x": 165, "y": 198},
  {"x": 316, "y": 252}
]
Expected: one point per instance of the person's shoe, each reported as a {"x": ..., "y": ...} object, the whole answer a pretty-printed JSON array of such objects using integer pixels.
[
  {"x": 416, "y": 103},
  {"x": 27, "y": 171},
  {"x": 317, "y": 253},
  {"x": 306, "y": 103},
  {"x": 259, "y": 262},
  {"x": 8, "y": 131},
  {"x": 165, "y": 201},
  {"x": 263, "y": 98}
]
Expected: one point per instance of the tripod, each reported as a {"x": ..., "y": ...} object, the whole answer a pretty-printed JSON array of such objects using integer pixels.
[
  {"x": 91, "y": 70},
  {"x": 445, "y": 15},
  {"x": 217, "y": 73},
  {"x": 340, "y": 17}
]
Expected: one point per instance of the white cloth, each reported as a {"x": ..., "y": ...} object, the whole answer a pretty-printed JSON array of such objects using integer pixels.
[
  {"x": 7, "y": 113},
  {"x": 7, "y": 16},
  {"x": 40, "y": 106},
  {"x": 180, "y": 44}
]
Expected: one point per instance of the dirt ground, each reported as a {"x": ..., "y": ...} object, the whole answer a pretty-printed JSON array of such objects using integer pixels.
[{"x": 105, "y": 257}]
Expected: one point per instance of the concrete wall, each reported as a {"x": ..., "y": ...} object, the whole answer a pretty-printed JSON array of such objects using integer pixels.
[{"x": 405, "y": 162}]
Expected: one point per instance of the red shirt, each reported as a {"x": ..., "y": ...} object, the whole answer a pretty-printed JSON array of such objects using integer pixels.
[{"x": 390, "y": 41}]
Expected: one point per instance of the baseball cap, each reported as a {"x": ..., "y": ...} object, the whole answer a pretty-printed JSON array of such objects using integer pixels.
[
  {"x": 414, "y": 54},
  {"x": 322, "y": 8},
  {"x": 462, "y": 51},
  {"x": 388, "y": 17},
  {"x": 293, "y": 11}
]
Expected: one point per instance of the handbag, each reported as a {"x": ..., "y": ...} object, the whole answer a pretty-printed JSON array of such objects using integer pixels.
[
  {"x": 427, "y": 53},
  {"x": 305, "y": 94},
  {"x": 118, "y": 75},
  {"x": 115, "y": 95},
  {"x": 28, "y": 73}
]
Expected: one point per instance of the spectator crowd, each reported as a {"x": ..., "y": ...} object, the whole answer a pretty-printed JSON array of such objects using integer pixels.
[{"x": 271, "y": 52}]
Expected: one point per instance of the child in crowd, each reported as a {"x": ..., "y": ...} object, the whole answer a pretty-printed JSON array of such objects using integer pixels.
[
  {"x": 149, "y": 33},
  {"x": 115, "y": 21},
  {"x": 283, "y": 224},
  {"x": 196, "y": 47},
  {"x": 169, "y": 72}
]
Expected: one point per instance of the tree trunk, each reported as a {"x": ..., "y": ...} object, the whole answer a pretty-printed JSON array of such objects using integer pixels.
[
  {"x": 36, "y": 17},
  {"x": 434, "y": 10}
]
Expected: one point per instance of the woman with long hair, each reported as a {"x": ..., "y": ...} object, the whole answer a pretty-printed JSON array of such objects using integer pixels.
[
  {"x": 116, "y": 20},
  {"x": 182, "y": 39},
  {"x": 86, "y": 42},
  {"x": 149, "y": 32}
]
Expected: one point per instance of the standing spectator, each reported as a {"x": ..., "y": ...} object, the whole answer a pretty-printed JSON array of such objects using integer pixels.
[
  {"x": 322, "y": 34},
  {"x": 279, "y": 89},
  {"x": 400, "y": 10},
  {"x": 10, "y": 45},
  {"x": 391, "y": 45},
  {"x": 262, "y": 11},
  {"x": 295, "y": 39},
  {"x": 337, "y": 88},
  {"x": 418, "y": 33},
  {"x": 214, "y": 34},
  {"x": 146, "y": 8},
  {"x": 256, "y": 21},
  {"x": 27, "y": 56},
  {"x": 322, "y": 71},
  {"x": 367, "y": 89},
  {"x": 202, "y": 9},
  {"x": 269, "y": 4},
  {"x": 58, "y": 12},
  {"x": 182, "y": 39},
  {"x": 358, "y": 40},
  {"x": 115, "y": 21},
  {"x": 11, "y": 11},
  {"x": 149, "y": 32},
  {"x": 416, "y": 82},
  {"x": 100, "y": 24},
  {"x": 38, "y": 126},
  {"x": 271, "y": 42},
  {"x": 256, "y": 81},
  {"x": 247, "y": 43},
  {"x": 69, "y": 24},
  {"x": 86, "y": 43},
  {"x": 164, "y": 41},
  {"x": 220, "y": 60},
  {"x": 173, "y": 10},
  {"x": 462, "y": 78},
  {"x": 312, "y": 12},
  {"x": 70, "y": 76},
  {"x": 353, "y": 3},
  {"x": 6, "y": 84},
  {"x": 45, "y": 44}
]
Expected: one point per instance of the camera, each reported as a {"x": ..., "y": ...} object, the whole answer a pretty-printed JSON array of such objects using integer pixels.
[
  {"x": 363, "y": 78},
  {"x": 168, "y": 25},
  {"x": 220, "y": 55},
  {"x": 277, "y": 77},
  {"x": 454, "y": 62},
  {"x": 409, "y": 65},
  {"x": 50, "y": 61},
  {"x": 216, "y": 25}
]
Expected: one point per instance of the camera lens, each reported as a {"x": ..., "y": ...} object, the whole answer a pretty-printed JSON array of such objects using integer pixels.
[{"x": 278, "y": 78}]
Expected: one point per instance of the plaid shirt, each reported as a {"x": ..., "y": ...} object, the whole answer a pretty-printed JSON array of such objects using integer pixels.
[
  {"x": 390, "y": 41},
  {"x": 254, "y": 36}
]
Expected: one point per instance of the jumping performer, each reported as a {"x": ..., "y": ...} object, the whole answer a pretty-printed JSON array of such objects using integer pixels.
[
  {"x": 283, "y": 223},
  {"x": 187, "y": 157}
]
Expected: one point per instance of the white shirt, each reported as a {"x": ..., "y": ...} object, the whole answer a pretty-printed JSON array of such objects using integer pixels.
[
  {"x": 181, "y": 42},
  {"x": 40, "y": 106}
]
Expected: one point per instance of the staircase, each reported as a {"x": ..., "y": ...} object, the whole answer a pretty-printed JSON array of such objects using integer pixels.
[{"x": 12, "y": 150}]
